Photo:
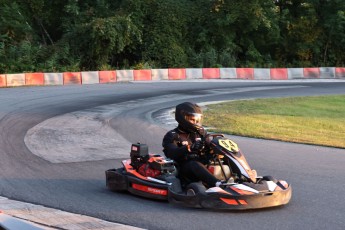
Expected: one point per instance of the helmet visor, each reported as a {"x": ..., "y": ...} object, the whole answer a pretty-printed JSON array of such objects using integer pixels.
[{"x": 194, "y": 118}]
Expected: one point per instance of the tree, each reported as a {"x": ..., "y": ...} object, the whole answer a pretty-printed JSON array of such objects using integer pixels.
[
  {"x": 164, "y": 28},
  {"x": 15, "y": 38},
  {"x": 244, "y": 30},
  {"x": 72, "y": 35},
  {"x": 303, "y": 33},
  {"x": 332, "y": 37}
]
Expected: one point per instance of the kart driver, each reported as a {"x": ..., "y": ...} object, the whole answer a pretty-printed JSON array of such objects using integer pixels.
[{"x": 185, "y": 146}]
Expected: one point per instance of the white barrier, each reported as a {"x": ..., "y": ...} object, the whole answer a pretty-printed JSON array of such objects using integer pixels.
[
  {"x": 160, "y": 74},
  {"x": 327, "y": 72},
  {"x": 228, "y": 73},
  {"x": 90, "y": 77},
  {"x": 15, "y": 79},
  {"x": 295, "y": 73},
  {"x": 262, "y": 74},
  {"x": 192, "y": 73},
  {"x": 124, "y": 75},
  {"x": 53, "y": 78}
]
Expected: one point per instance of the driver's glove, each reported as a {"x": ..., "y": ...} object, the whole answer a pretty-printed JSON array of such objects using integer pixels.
[{"x": 197, "y": 146}]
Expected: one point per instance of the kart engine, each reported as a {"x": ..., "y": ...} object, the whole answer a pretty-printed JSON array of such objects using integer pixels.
[
  {"x": 148, "y": 164},
  {"x": 139, "y": 155}
]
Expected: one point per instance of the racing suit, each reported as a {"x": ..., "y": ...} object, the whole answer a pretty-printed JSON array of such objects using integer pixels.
[{"x": 176, "y": 146}]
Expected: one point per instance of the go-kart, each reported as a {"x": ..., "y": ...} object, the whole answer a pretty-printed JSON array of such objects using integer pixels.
[{"x": 156, "y": 177}]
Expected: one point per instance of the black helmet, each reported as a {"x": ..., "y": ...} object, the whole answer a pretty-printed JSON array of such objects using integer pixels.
[{"x": 185, "y": 113}]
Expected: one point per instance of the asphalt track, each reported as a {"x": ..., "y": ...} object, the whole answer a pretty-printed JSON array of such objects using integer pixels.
[{"x": 316, "y": 173}]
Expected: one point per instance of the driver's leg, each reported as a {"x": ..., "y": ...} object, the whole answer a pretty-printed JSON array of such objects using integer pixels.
[{"x": 196, "y": 171}]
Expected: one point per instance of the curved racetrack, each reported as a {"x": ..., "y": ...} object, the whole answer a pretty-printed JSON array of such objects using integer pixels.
[{"x": 316, "y": 173}]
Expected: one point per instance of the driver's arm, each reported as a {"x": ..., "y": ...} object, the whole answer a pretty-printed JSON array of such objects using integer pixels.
[{"x": 172, "y": 150}]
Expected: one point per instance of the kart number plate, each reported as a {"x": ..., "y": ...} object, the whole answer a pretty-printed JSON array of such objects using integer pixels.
[{"x": 229, "y": 145}]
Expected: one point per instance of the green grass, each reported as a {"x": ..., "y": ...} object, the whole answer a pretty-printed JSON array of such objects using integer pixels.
[{"x": 312, "y": 120}]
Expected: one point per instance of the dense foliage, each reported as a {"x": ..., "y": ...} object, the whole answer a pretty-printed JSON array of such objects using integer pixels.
[{"x": 74, "y": 35}]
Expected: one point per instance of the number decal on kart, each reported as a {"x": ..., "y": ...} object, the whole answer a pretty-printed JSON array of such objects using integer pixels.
[{"x": 229, "y": 145}]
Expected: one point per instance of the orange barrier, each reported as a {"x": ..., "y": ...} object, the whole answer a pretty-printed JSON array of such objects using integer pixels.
[
  {"x": 340, "y": 72},
  {"x": 279, "y": 74},
  {"x": 72, "y": 78},
  {"x": 107, "y": 76},
  {"x": 311, "y": 72},
  {"x": 142, "y": 75},
  {"x": 34, "y": 79},
  {"x": 177, "y": 74},
  {"x": 210, "y": 73},
  {"x": 3, "y": 82},
  {"x": 245, "y": 73}
]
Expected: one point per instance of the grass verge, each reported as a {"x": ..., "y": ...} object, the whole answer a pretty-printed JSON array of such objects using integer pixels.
[{"x": 316, "y": 120}]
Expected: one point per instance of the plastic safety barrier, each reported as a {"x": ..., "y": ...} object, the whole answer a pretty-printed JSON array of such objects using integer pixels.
[
  {"x": 90, "y": 77},
  {"x": 107, "y": 76},
  {"x": 262, "y": 74},
  {"x": 311, "y": 72},
  {"x": 15, "y": 79},
  {"x": 124, "y": 75},
  {"x": 194, "y": 73},
  {"x": 210, "y": 73},
  {"x": 177, "y": 74},
  {"x": 142, "y": 75},
  {"x": 72, "y": 78},
  {"x": 111, "y": 76},
  {"x": 34, "y": 79},
  {"x": 245, "y": 73},
  {"x": 53, "y": 78},
  {"x": 279, "y": 74},
  {"x": 229, "y": 73},
  {"x": 159, "y": 74},
  {"x": 327, "y": 72},
  {"x": 3, "y": 82},
  {"x": 340, "y": 72}
]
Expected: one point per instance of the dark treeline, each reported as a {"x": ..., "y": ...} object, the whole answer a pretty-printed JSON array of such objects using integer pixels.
[{"x": 75, "y": 35}]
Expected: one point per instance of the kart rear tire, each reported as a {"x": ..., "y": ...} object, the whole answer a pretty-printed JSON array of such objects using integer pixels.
[
  {"x": 195, "y": 188},
  {"x": 116, "y": 181}
]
